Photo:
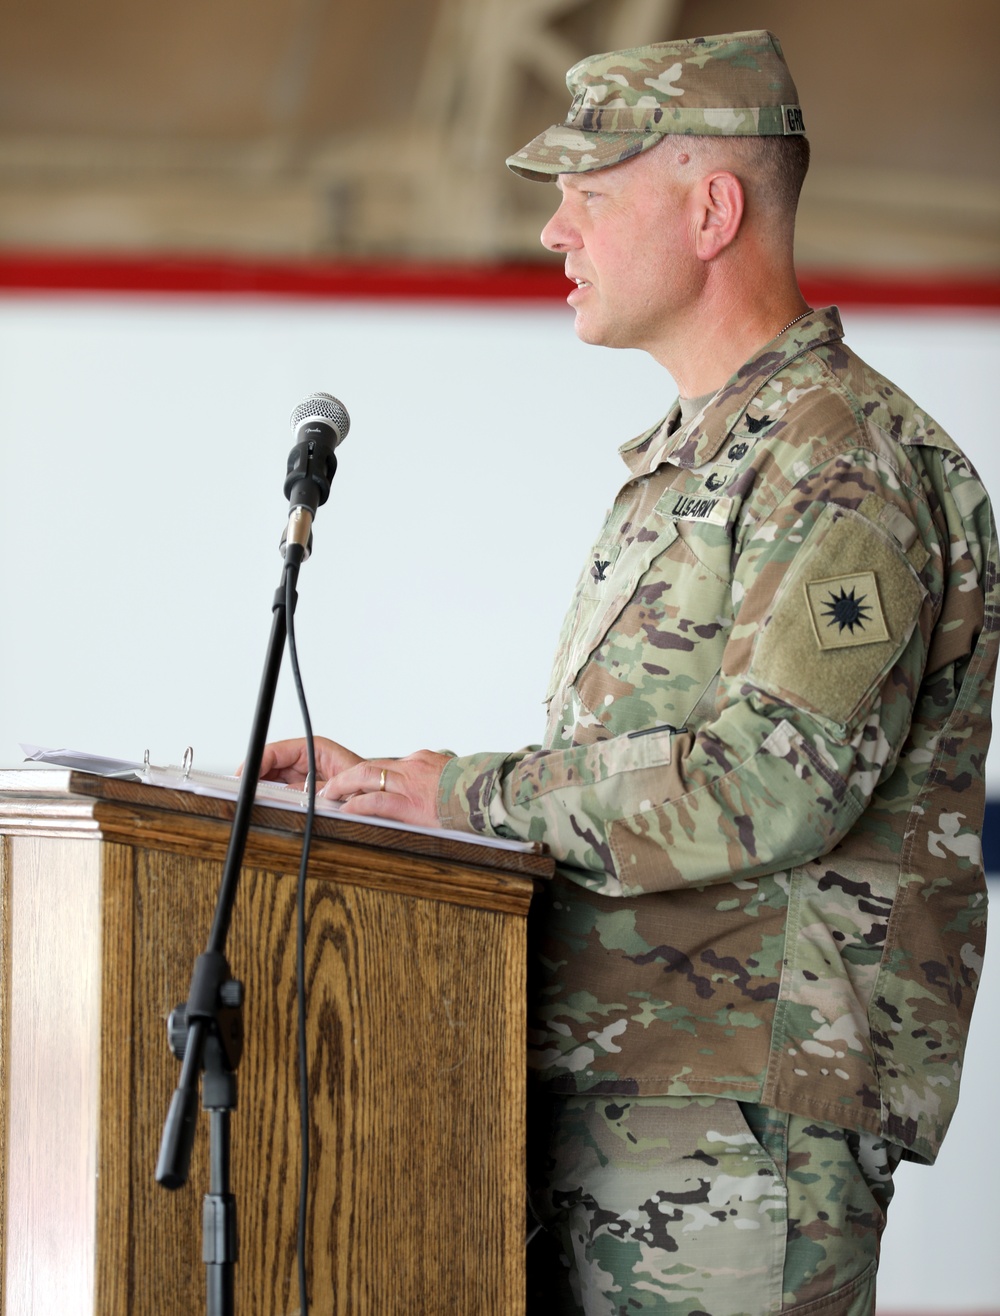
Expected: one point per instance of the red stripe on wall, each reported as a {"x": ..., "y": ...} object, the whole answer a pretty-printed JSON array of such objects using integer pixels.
[{"x": 36, "y": 272}]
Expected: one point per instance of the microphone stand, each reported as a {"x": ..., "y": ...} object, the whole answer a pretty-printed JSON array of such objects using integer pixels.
[{"x": 206, "y": 1033}]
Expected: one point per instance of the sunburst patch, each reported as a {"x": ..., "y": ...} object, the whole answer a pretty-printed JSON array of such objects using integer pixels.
[{"x": 846, "y": 611}]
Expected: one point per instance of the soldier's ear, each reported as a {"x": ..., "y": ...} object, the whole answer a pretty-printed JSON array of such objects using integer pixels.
[{"x": 721, "y": 205}]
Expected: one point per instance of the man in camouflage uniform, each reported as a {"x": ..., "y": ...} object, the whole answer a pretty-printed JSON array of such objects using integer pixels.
[{"x": 762, "y": 772}]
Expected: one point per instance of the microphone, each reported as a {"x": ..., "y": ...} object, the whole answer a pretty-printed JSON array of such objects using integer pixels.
[{"x": 319, "y": 425}]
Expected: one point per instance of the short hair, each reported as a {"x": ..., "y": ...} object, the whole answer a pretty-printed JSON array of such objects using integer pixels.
[
  {"x": 771, "y": 169},
  {"x": 776, "y": 168}
]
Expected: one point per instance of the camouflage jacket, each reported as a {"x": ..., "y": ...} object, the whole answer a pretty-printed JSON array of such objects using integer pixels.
[{"x": 762, "y": 773}]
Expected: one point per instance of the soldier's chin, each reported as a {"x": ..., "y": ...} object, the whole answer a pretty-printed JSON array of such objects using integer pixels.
[
  {"x": 597, "y": 335},
  {"x": 588, "y": 329}
]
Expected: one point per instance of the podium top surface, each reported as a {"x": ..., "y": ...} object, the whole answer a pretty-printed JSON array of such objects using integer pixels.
[{"x": 66, "y": 802}]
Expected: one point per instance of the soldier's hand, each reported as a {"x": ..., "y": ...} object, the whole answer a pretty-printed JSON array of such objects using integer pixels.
[
  {"x": 405, "y": 789},
  {"x": 287, "y": 761}
]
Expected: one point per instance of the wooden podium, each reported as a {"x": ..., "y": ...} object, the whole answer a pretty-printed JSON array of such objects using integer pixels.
[{"x": 416, "y": 985}]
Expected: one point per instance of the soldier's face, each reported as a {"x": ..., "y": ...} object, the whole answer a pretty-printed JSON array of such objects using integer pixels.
[{"x": 628, "y": 235}]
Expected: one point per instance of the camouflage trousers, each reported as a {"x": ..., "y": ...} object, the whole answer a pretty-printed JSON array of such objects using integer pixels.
[{"x": 701, "y": 1207}]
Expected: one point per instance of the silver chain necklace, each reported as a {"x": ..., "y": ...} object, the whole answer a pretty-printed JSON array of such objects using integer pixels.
[{"x": 801, "y": 316}]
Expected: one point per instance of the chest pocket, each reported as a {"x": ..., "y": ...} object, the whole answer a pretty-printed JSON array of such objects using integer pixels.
[
  {"x": 645, "y": 634},
  {"x": 609, "y": 579}
]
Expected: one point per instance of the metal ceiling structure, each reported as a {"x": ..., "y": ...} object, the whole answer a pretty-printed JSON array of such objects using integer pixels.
[{"x": 310, "y": 129}]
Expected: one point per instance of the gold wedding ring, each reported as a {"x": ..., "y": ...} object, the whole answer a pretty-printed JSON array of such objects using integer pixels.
[{"x": 381, "y": 780}]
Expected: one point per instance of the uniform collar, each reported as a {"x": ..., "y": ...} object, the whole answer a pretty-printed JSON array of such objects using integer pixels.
[{"x": 698, "y": 442}]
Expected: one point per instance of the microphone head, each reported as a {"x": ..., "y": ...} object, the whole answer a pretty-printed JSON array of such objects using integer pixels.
[{"x": 324, "y": 407}]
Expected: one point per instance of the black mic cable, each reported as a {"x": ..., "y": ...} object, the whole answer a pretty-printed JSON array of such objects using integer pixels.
[{"x": 319, "y": 425}]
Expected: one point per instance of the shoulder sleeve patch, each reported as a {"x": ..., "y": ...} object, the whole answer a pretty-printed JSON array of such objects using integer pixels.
[
  {"x": 842, "y": 616},
  {"x": 845, "y": 611}
]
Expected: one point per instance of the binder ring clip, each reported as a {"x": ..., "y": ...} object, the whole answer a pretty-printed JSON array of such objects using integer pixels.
[{"x": 187, "y": 761}]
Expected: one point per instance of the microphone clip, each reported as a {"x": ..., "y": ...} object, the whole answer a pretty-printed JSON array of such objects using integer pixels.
[{"x": 312, "y": 465}]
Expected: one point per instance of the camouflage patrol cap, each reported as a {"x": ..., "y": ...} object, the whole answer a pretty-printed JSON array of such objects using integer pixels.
[{"x": 624, "y": 102}]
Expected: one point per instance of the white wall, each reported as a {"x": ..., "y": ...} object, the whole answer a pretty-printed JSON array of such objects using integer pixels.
[{"x": 143, "y": 453}]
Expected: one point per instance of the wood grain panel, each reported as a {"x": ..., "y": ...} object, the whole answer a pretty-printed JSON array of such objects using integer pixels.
[{"x": 412, "y": 1084}]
